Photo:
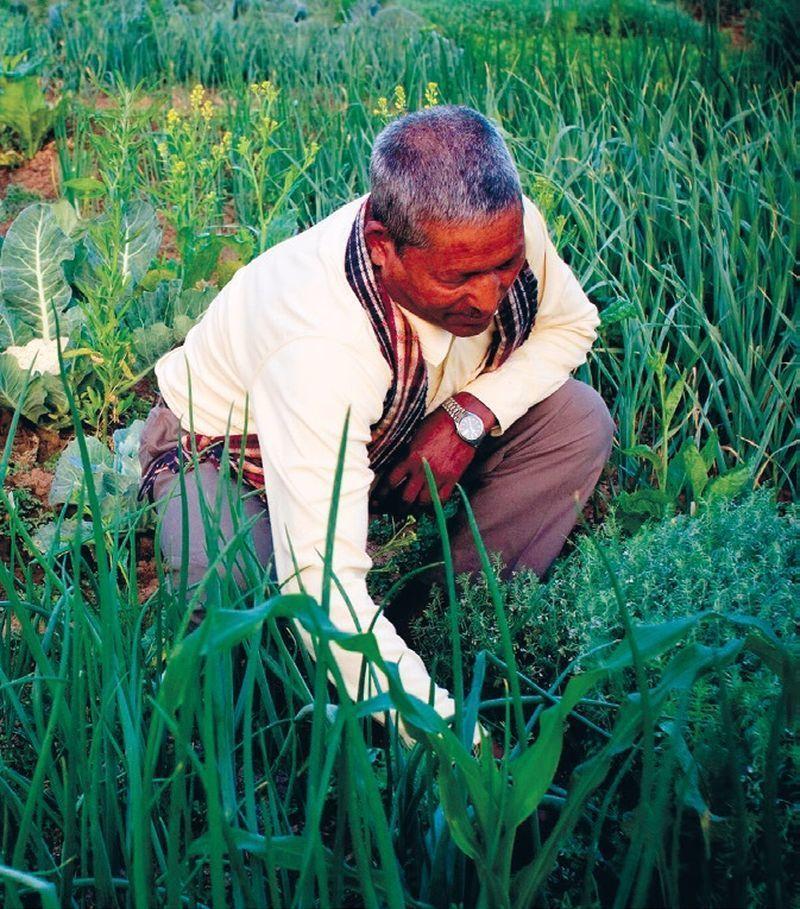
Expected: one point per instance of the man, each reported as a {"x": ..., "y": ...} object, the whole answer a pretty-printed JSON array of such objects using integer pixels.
[{"x": 438, "y": 312}]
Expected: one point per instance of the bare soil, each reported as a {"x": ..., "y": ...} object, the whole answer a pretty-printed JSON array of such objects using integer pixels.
[
  {"x": 40, "y": 175},
  {"x": 31, "y": 450},
  {"x": 169, "y": 244}
]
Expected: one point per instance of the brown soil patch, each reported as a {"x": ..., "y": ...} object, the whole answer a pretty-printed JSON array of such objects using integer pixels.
[
  {"x": 37, "y": 480},
  {"x": 40, "y": 175},
  {"x": 229, "y": 218},
  {"x": 30, "y": 450},
  {"x": 146, "y": 574},
  {"x": 31, "y": 445},
  {"x": 146, "y": 579},
  {"x": 736, "y": 30},
  {"x": 169, "y": 242}
]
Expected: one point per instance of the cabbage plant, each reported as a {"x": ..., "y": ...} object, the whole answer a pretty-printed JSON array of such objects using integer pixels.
[
  {"x": 77, "y": 284},
  {"x": 34, "y": 314}
]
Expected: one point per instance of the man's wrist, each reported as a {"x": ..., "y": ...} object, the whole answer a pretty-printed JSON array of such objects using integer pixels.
[{"x": 470, "y": 402}]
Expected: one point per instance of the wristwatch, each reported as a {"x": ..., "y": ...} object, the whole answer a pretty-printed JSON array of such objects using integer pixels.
[{"x": 469, "y": 425}]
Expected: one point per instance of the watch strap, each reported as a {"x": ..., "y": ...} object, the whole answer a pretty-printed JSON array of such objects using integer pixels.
[
  {"x": 452, "y": 407},
  {"x": 457, "y": 412}
]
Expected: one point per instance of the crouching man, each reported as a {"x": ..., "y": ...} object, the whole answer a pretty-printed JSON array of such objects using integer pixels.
[{"x": 437, "y": 310}]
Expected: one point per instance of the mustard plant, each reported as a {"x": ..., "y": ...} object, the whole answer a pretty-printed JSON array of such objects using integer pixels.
[
  {"x": 193, "y": 152},
  {"x": 266, "y": 175}
]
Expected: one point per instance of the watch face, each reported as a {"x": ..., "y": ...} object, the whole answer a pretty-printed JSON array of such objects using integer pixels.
[{"x": 470, "y": 427}]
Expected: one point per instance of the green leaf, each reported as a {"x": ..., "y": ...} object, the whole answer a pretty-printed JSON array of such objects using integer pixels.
[
  {"x": 651, "y": 641},
  {"x": 202, "y": 260},
  {"x": 141, "y": 239},
  {"x": 126, "y": 449},
  {"x": 676, "y": 474},
  {"x": 57, "y": 402},
  {"x": 643, "y": 451},
  {"x": 128, "y": 246},
  {"x": 456, "y": 812},
  {"x": 151, "y": 342},
  {"x": 282, "y": 226},
  {"x": 684, "y": 668},
  {"x": 69, "y": 476},
  {"x": 695, "y": 468},
  {"x": 618, "y": 311},
  {"x": 672, "y": 400},
  {"x": 45, "y": 890},
  {"x": 23, "y": 110},
  {"x": 192, "y": 303},
  {"x": 58, "y": 536},
  {"x": 115, "y": 474},
  {"x": 155, "y": 276},
  {"x": 13, "y": 393},
  {"x": 6, "y": 325},
  {"x": 31, "y": 272},
  {"x": 729, "y": 485},
  {"x": 157, "y": 305},
  {"x": 85, "y": 187},
  {"x": 285, "y": 851},
  {"x": 711, "y": 451},
  {"x": 634, "y": 508},
  {"x": 534, "y": 770}
]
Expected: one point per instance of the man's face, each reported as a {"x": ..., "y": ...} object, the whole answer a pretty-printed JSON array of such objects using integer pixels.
[{"x": 459, "y": 279}]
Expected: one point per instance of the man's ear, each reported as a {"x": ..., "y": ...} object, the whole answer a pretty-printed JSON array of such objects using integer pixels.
[{"x": 379, "y": 244}]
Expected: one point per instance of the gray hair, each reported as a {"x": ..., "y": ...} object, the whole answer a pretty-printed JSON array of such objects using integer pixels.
[{"x": 446, "y": 163}]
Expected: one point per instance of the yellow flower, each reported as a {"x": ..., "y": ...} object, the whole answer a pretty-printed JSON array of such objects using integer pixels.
[
  {"x": 207, "y": 110},
  {"x": 266, "y": 90},
  {"x": 162, "y": 149},
  {"x": 243, "y": 145},
  {"x": 269, "y": 91},
  {"x": 222, "y": 147},
  {"x": 400, "y": 100},
  {"x": 381, "y": 109},
  {"x": 431, "y": 94},
  {"x": 173, "y": 118},
  {"x": 178, "y": 167},
  {"x": 197, "y": 97}
]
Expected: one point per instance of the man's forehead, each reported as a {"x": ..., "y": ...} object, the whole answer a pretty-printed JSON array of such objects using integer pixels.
[{"x": 485, "y": 243}]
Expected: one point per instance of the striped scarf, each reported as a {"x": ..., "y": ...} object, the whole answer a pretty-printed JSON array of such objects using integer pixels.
[{"x": 405, "y": 401}]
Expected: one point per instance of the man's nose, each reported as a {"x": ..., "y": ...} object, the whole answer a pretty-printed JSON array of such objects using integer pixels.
[{"x": 486, "y": 293}]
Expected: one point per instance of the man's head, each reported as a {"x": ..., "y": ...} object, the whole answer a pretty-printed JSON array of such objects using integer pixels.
[{"x": 444, "y": 229}]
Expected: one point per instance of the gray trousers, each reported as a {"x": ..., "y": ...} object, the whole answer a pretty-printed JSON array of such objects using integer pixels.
[{"x": 526, "y": 488}]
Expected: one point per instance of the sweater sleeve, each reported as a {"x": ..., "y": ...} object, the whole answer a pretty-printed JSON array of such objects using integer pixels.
[
  {"x": 562, "y": 334},
  {"x": 299, "y": 402}
]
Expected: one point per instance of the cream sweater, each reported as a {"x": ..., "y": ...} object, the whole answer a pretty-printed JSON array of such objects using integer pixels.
[{"x": 288, "y": 336}]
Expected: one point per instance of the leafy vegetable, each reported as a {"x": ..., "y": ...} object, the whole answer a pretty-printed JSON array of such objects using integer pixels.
[
  {"x": 115, "y": 473},
  {"x": 23, "y": 107},
  {"x": 35, "y": 297}
]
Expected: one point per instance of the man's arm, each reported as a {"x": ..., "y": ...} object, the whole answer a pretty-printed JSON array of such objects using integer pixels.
[
  {"x": 562, "y": 334},
  {"x": 299, "y": 401},
  {"x": 437, "y": 442}
]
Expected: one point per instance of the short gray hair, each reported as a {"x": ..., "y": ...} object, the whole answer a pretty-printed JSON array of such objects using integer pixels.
[{"x": 446, "y": 163}]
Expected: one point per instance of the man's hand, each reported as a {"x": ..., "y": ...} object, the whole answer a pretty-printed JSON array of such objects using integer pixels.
[{"x": 447, "y": 454}]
